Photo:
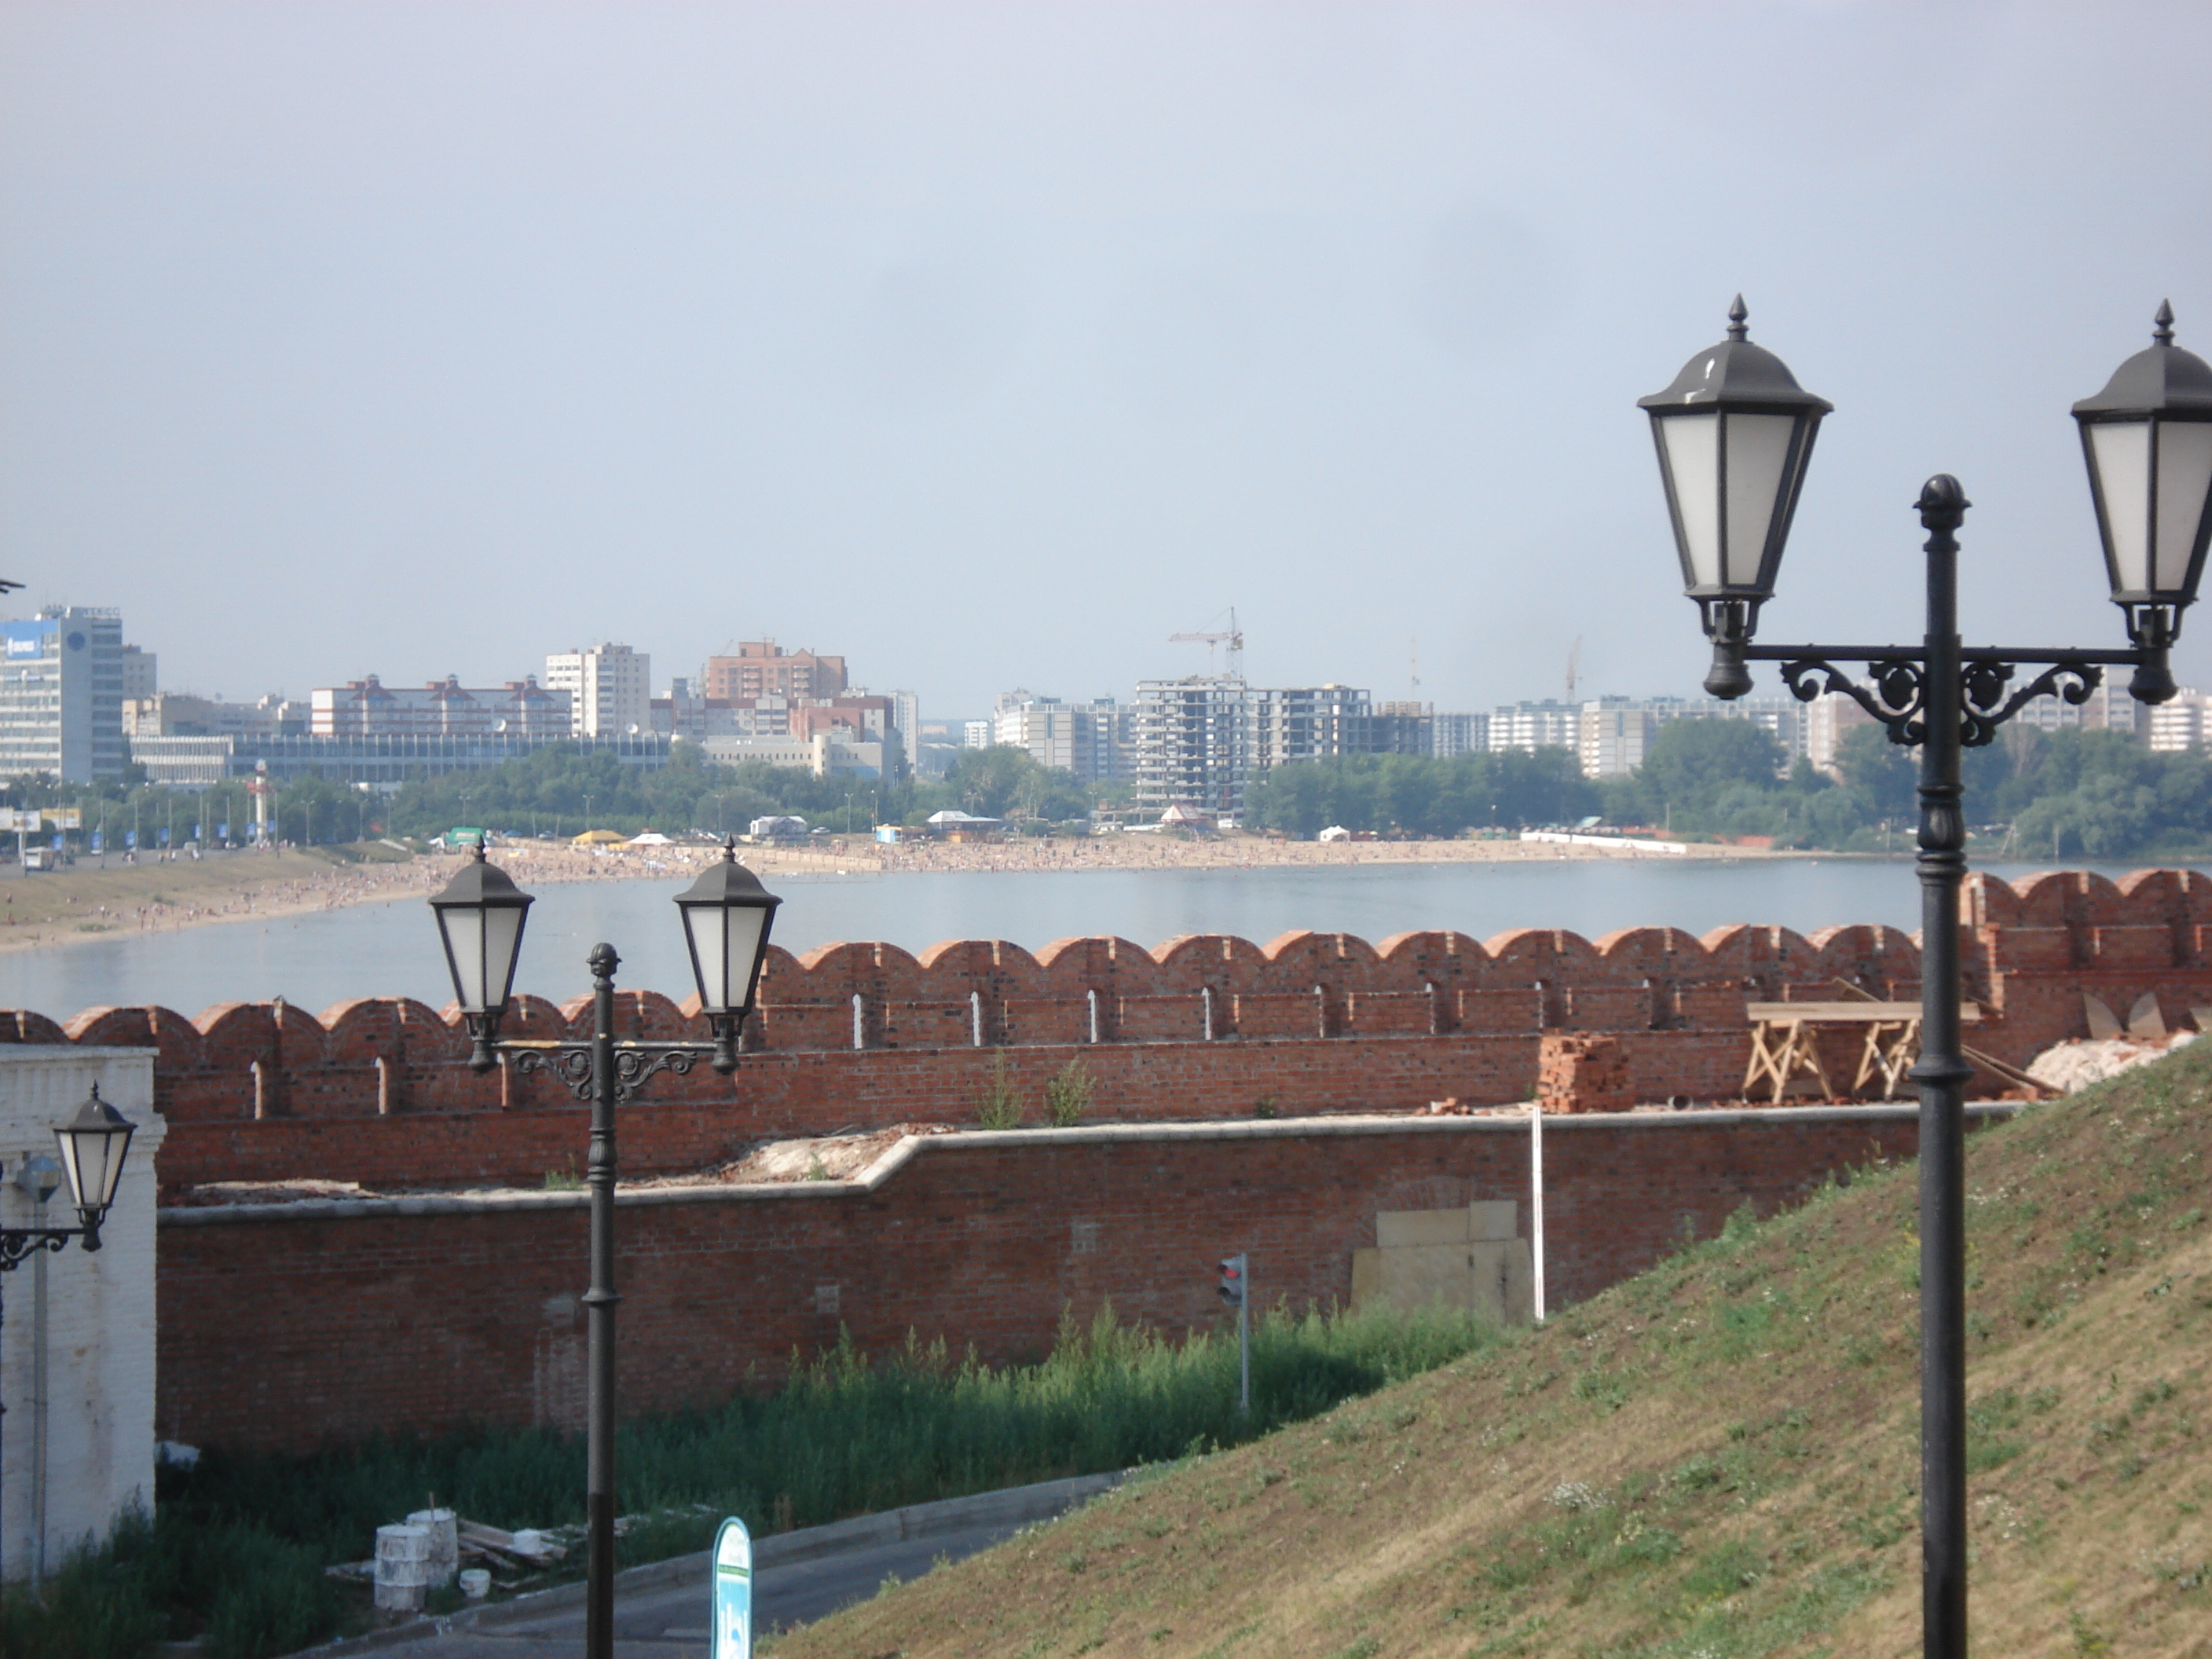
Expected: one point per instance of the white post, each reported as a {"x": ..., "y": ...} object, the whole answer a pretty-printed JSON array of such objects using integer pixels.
[{"x": 1536, "y": 1208}]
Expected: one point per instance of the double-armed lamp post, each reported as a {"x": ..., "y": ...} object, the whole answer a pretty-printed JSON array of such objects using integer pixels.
[
  {"x": 726, "y": 916},
  {"x": 1735, "y": 432}
]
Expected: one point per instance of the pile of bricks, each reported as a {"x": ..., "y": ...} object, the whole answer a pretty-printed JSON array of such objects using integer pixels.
[{"x": 1577, "y": 1072}]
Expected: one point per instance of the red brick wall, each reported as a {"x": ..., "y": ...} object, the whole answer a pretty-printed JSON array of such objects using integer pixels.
[
  {"x": 286, "y": 1332},
  {"x": 1313, "y": 1023}
]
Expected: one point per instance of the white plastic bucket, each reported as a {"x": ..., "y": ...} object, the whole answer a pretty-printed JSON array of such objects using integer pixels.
[
  {"x": 402, "y": 1568},
  {"x": 445, "y": 1542},
  {"x": 475, "y": 1583}
]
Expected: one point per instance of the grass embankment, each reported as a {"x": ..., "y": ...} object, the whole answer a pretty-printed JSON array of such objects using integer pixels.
[
  {"x": 1717, "y": 1459},
  {"x": 237, "y": 1552}
]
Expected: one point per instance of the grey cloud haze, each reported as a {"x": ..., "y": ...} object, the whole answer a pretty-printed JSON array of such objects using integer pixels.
[{"x": 990, "y": 344}]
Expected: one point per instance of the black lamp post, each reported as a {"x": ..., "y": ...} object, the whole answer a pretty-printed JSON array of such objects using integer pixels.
[
  {"x": 726, "y": 917},
  {"x": 93, "y": 1140},
  {"x": 1734, "y": 433}
]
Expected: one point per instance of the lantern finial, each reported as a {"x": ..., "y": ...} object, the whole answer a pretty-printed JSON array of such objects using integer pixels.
[
  {"x": 2164, "y": 332},
  {"x": 1737, "y": 313}
]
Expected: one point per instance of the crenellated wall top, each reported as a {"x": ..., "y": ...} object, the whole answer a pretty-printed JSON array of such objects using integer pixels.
[{"x": 2011, "y": 928}]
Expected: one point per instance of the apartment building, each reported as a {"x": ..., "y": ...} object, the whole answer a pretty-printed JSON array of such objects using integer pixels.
[
  {"x": 1458, "y": 734},
  {"x": 761, "y": 668},
  {"x": 60, "y": 695},
  {"x": 140, "y": 677},
  {"x": 609, "y": 688},
  {"x": 2180, "y": 725},
  {"x": 1533, "y": 726},
  {"x": 444, "y": 708},
  {"x": 1193, "y": 743},
  {"x": 1087, "y": 738},
  {"x": 1612, "y": 735}
]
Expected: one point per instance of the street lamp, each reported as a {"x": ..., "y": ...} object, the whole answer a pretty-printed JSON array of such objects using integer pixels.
[
  {"x": 1731, "y": 487},
  {"x": 94, "y": 1141},
  {"x": 726, "y": 915}
]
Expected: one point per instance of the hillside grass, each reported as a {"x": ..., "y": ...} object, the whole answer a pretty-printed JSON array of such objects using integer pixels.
[{"x": 1717, "y": 1459}]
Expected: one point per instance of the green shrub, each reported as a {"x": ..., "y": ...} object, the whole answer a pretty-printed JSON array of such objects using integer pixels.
[
  {"x": 998, "y": 1105},
  {"x": 237, "y": 1554},
  {"x": 1067, "y": 1095},
  {"x": 103, "y": 1604}
]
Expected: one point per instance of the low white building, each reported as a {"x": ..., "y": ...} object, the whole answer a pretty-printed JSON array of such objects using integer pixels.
[
  {"x": 837, "y": 753},
  {"x": 78, "y": 1381}
]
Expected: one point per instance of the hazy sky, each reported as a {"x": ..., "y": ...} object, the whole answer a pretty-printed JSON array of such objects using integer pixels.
[{"x": 990, "y": 344}]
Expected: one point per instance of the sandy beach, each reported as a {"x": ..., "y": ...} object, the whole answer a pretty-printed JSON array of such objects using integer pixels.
[{"x": 86, "y": 903}]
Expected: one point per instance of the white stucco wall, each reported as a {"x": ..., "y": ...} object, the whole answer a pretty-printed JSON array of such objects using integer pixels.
[{"x": 100, "y": 1310}]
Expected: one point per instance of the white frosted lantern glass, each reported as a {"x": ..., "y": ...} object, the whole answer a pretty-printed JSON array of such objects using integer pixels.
[
  {"x": 502, "y": 930},
  {"x": 464, "y": 939},
  {"x": 703, "y": 924},
  {"x": 745, "y": 936},
  {"x": 2123, "y": 452},
  {"x": 2184, "y": 481},
  {"x": 1758, "y": 453},
  {"x": 84, "y": 1161},
  {"x": 1693, "y": 446}
]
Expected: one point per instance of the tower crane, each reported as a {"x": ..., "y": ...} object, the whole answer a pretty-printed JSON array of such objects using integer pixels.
[{"x": 1232, "y": 636}]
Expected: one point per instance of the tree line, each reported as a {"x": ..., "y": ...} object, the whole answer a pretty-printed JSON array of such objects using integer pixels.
[
  {"x": 2046, "y": 794},
  {"x": 561, "y": 790}
]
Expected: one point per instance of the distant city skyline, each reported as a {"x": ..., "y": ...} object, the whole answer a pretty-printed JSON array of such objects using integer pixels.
[{"x": 992, "y": 346}]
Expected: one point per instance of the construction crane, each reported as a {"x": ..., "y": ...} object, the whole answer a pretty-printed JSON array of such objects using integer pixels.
[{"x": 1232, "y": 636}]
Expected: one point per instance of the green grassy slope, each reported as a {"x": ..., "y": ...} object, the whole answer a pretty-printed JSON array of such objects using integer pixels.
[{"x": 1717, "y": 1459}]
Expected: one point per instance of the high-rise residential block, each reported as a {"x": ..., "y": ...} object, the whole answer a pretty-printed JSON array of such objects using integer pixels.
[
  {"x": 1193, "y": 738},
  {"x": 1540, "y": 724},
  {"x": 761, "y": 668},
  {"x": 609, "y": 687},
  {"x": 1458, "y": 734}
]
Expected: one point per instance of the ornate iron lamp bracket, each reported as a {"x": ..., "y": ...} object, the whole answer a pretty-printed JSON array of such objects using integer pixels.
[
  {"x": 18, "y": 1243},
  {"x": 1896, "y": 689},
  {"x": 634, "y": 1063}
]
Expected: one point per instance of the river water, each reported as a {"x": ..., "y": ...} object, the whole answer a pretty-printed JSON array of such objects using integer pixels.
[{"x": 391, "y": 949}]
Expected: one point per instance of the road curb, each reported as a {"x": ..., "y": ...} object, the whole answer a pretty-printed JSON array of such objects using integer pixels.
[{"x": 1009, "y": 1506}]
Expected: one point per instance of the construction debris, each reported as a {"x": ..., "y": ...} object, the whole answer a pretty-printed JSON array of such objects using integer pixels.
[{"x": 2073, "y": 1065}]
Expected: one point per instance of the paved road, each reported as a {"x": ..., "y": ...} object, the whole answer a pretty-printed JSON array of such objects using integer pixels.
[
  {"x": 669, "y": 1622},
  {"x": 662, "y": 1612}
]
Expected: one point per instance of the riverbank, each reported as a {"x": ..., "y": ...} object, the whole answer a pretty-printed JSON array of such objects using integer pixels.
[{"x": 85, "y": 902}]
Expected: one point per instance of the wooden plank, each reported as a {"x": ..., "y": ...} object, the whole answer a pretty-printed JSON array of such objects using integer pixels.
[{"x": 1846, "y": 1014}]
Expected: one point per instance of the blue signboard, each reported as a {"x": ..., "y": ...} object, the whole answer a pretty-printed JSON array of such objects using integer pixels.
[
  {"x": 222, "y": 830},
  {"x": 57, "y": 843},
  {"x": 162, "y": 836},
  {"x": 733, "y": 1592},
  {"x": 129, "y": 837},
  {"x": 95, "y": 841}
]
